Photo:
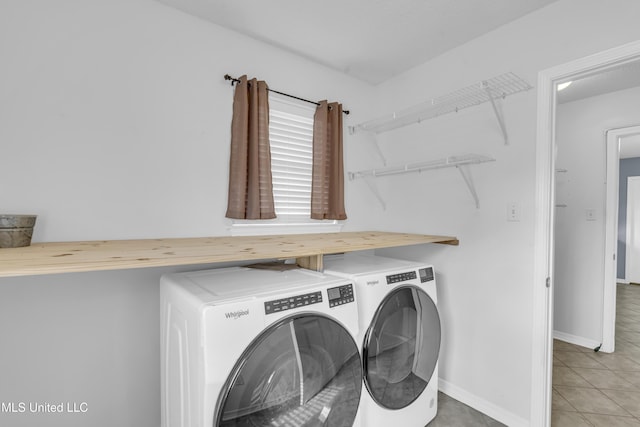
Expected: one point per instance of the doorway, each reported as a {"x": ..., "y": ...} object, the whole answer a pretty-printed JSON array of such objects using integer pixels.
[
  {"x": 548, "y": 82},
  {"x": 632, "y": 267}
]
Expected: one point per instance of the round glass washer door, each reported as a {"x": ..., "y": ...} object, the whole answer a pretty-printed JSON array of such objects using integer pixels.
[
  {"x": 303, "y": 371},
  {"x": 401, "y": 347}
]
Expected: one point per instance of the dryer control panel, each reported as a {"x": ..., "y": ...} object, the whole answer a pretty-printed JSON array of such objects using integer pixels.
[
  {"x": 282, "y": 304},
  {"x": 340, "y": 295},
  {"x": 426, "y": 275},
  {"x": 401, "y": 277}
]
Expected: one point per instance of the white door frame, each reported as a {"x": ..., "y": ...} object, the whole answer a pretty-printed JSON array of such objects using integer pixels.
[{"x": 544, "y": 213}]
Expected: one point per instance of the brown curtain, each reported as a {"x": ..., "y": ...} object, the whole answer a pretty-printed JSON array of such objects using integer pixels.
[
  {"x": 250, "y": 187},
  {"x": 327, "y": 192}
]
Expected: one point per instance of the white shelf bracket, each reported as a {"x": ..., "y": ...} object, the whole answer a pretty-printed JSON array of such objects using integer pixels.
[
  {"x": 379, "y": 151},
  {"x": 375, "y": 191},
  {"x": 468, "y": 179},
  {"x": 498, "y": 113},
  {"x": 354, "y": 129}
]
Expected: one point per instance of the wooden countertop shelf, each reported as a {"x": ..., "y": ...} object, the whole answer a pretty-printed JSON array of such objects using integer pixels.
[{"x": 307, "y": 249}]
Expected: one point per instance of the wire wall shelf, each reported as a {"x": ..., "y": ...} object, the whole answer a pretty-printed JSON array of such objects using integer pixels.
[
  {"x": 459, "y": 162},
  {"x": 485, "y": 91},
  {"x": 448, "y": 162}
]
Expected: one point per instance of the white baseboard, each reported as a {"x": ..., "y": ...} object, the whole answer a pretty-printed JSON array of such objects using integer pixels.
[
  {"x": 496, "y": 412},
  {"x": 573, "y": 339}
]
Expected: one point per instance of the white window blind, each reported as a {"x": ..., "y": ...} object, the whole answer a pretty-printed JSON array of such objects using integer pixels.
[
  {"x": 291, "y": 137},
  {"x": 291, "y": 164}
]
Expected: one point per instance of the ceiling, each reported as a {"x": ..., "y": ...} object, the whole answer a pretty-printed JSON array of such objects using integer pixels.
[{"x": 372, "y": 40}]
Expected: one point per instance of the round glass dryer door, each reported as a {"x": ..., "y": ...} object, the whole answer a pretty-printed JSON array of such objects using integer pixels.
[
  {"x": 401, "y": 347},
  {"x": 303, "y": 371}
]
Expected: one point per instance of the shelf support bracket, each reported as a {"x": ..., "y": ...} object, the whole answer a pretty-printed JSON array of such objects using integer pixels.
[
  {"x": 497, "y": 112},
  {"x": 374, "y": 190},
  {"x": 379, "y": 151},
  {"x": 468, "y": 179},
  {"x": 313, "y": 262},
  {"x": 376, "y": 144}
]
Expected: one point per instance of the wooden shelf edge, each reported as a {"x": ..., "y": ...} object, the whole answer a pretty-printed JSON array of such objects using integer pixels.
[
  {"x": 452, "y": 242},
  {"x": 307, "y": 249}
]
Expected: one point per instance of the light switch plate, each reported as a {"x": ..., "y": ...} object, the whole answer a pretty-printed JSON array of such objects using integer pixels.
[{"x": 513, "y": 212}]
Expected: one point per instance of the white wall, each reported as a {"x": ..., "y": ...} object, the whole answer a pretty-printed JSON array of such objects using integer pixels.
[
  {"x": 579, "y": 263},
  {"x": 485, "y": 285},
  {"x": 116, "y": 118},
  {"x": 114, "y": 124}
]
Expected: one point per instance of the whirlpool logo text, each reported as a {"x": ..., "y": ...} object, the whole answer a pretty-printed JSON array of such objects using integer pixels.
[{"x": 237, "y": 314}]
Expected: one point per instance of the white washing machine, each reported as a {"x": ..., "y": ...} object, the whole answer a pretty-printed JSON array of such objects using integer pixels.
[
  {"x": 254, "y": 347},
  {"x": 400, "y": 337}
]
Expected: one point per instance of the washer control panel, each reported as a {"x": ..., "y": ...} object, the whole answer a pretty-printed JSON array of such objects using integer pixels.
[
  {"x": 340, "y": 295},
  {"x": 401, "y": 277},
  {"x": 282, "y": 304}
]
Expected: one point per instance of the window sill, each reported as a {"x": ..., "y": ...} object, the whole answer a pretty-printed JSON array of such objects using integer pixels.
[{"x": 251, "y": 228}]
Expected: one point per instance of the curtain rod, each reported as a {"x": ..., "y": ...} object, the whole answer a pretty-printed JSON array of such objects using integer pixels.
[{"x": 234, "y": 80}]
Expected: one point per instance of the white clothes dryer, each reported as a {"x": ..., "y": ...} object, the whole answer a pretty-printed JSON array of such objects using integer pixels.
[
  {"x": 400, "y": 337},
  {"x": 252, "y": 347}
]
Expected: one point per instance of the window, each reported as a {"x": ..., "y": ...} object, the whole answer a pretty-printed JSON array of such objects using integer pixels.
[{"x": 291, "y": 137}]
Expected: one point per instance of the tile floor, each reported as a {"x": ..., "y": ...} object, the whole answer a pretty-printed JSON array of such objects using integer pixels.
[
  {"x": 452, "y": 413},
  {"x": 601, "y": 389}
]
